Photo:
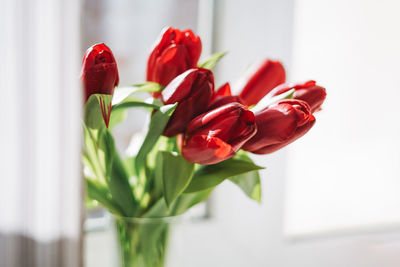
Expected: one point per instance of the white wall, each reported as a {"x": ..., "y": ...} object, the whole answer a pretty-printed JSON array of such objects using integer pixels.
[{"x": 345, "y": 174}]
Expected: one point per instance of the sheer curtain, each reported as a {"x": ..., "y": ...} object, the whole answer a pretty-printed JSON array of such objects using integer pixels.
[{"x": 40, "y": 199}]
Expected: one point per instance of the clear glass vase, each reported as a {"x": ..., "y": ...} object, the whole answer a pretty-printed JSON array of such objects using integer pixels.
[{"x": 149, "y": 242}]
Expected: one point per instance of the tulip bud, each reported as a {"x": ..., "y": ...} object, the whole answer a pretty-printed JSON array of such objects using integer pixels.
[
  {"x": 309, "y": 92},
  {"x": 173, "y": 53},
  {"x": 279, "y": 125},
  {"x": 218, "y": 134},
  {"x": 224, "y": 96},
  {"x": 99, "y": 72},
  {"x": 193, "y": 91},
  {"x": 99, "y": 75},
  {"x": 259, "y": 80}
]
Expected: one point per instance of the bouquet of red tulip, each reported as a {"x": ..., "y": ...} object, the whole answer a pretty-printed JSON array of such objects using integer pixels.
[{"x": 197, "y": 136}]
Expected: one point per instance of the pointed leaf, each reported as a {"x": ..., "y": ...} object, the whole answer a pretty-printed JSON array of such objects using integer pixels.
[
  {"x": 249, "y": 182},
  {"x": 121, "y": 93},
  {"x": 97, "y": 111},
  {"x": 211, "y": 175},
  {"x": 174, "y": 172},
  {"x": 212, "y": 60},
  {"x": 157, "y": 124},
  {"x": 117, "y": 116},
  {"x": 129, "y": 103},
  {"x": 98, "y": 192},
  {"x": 91, "y": 155},
  {"x": 183, "y": 203},
  {"x": 187, "y": 200},
  {"x": 118, "y": 178}
]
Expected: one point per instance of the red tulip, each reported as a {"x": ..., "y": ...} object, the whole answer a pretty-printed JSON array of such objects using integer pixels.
[
  {"x": 173, "y": 53},
  {"x": 224, "y": 96},
  {"x": 192, "y": 90},
  {"x": 259, "y": 80},
  {"x": 279, "y": 125},
  {"x": 99, "y": 75},
  {"x": 309, "y": 92},
  {"x": 99, "y": 71},
  {"x": 218, "y": 134}
]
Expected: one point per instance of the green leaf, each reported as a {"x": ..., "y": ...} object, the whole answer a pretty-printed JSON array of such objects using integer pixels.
[
  {"x": 163, "y": 144},
  {"x": 129, "y": 103},
  {"x": 150, "y": 87},
  {"x": 100, "y": 193},
  {"x": 107, "y": 149},
  {"x": 174, "y": 172},
  {"x": 91, "y": 157},
  {"x": 118, "y": 178},
  {"x": 187, "y": 200},
  {"x": 249, "y": 183},
  {"x": 157, "y": 124},
  {"x": 118, "y": 112},
  {"x": 183, "y": 203},
  {"x": 208, "y": 176},
  {"x": 117, "y": 116},
  {"x": 97, "y": 110},
  {"x": 154, "y": 101},
  {"x": 121, "y": 93},
  {"x": 157, "y": 210},
  {"x": 212, "y": 60},
  {"x": 120, "y": 187}
]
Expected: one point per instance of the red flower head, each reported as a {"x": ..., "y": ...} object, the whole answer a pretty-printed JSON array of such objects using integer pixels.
[
  {"x": 259, "y": 80},
  {"x": 224, "y": 96},
  {"x": 174, "y": 52},
  {"x": 218, "y": 134},
  {"x": 192, "y": 90},
  {"x": 309, "y": 92},
  {"x": 279, "y": 125},
  {"x": 99, "y": 75},
  {"x": 99, "y": 72}
]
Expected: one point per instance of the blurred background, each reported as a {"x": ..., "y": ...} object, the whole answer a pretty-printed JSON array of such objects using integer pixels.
[{"x": 330, "y": 199}]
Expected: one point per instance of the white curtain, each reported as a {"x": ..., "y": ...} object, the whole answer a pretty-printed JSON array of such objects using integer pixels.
[{"x": 40, "y": 198}]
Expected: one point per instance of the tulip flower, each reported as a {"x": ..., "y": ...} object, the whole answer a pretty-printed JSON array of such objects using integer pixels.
[
  {"x": 99, "y": 71},
  {"x": 309, "y": 92},
  {"x": 224, "y": 96},
  {"x": 259, "y": 80},
  {"x": 279, "y": 125},
  {"x": 99, "y": 75},
  {"x": 173, "y": 53},
  {"x": 218, "y": 134},
  {"x": 193, "y": 91}
]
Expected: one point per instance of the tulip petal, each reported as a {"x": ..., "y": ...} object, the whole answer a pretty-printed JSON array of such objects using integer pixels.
[
  {"x": 206, "y": 150},
  {"x": 299, "y": 133},
  {"x": 279, "y": 125},
  {"x": 259, "y": 80},
  {"x": 99, "y": 72},
  {"x": 192, "y": 90},
  {"x": 308, "y": 91},
  {"x": 224, "y": 90},
  {"x": 173, "y": 53},
  {"x": 218, "y": 134}
]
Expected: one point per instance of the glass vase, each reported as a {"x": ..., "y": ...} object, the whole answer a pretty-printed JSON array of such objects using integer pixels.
[{"x": 149, "y": 242}]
